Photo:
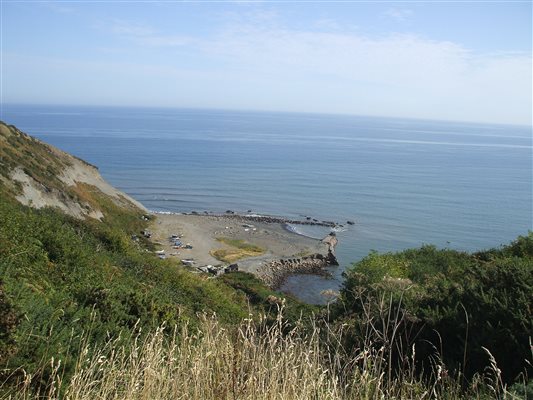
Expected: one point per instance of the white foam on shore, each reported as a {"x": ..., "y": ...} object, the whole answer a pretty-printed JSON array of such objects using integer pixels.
[
  {"x": 214, "y": 214},
  {"x": 294, "y": 229},
  {"x": 339, "y": 229},
  {"x": 164, "y": 212}
]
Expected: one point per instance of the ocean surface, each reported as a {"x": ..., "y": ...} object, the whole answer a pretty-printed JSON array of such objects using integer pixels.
[{"x": 404, "y": 182}]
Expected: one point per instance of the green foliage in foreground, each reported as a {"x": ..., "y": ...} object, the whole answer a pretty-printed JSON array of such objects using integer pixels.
[
  {"x": 267, "y": 301},
  {"x": 67, "y": 284},
  {"x": 447, "y": 302},
  {"x": 62, "y": 278},
  {"x": 252, "y": 360}
]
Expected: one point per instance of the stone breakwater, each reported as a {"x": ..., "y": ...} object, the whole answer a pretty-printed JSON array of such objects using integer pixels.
[
  {"x": 267, "y": 219},
  {"x": 274, "y": 273},
  {"x": 257, "y": 218},
  {"x": 279, "y": 220}
]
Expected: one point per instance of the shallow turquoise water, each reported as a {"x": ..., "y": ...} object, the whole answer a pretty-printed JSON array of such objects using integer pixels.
[{"x": 405, "y": 182}]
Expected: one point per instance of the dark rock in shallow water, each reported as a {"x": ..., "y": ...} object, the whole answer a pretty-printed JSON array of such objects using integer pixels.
[
  {"x": 331, "y": 259},
  {"x": 278, "y": 220},
  {"x": 350, "y": 222}
]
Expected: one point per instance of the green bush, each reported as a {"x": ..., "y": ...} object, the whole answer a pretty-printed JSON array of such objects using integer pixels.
[
  {"x": 448, "y": 302},
  {"x": 61, "y": 278}
]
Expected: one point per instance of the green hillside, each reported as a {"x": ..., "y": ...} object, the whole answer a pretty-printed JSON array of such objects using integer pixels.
[
  {"x": 462, "y": 305},
  {"x": 62, "y": 277}
]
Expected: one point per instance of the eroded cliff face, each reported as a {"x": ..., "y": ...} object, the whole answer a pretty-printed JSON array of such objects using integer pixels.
[{"x": 40, "y": 175}]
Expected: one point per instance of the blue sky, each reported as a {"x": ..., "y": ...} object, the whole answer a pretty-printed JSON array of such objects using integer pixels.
[{"x": 468, "y": 61}]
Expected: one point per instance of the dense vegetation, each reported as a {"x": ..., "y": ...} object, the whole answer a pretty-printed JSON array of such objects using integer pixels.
[
  {"x": 251, "y": 361},
  {"x": 460, "y": 306},
  {"x": 63, "y": 279}
]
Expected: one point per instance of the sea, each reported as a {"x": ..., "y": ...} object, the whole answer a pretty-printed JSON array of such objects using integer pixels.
[{"x": 404, "y": 182}]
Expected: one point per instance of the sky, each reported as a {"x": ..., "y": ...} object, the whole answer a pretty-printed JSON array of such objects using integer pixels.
[{"x": 447, "y": 60}]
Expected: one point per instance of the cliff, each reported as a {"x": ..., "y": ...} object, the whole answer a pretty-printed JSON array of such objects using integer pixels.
[{"x": 40, "y": 175}]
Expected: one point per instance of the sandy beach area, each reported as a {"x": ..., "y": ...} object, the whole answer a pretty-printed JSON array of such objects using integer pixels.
[{"x": 201, "y": 232}]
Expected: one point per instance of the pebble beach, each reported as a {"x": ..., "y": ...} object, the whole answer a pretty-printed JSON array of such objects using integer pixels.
[{"x": 201, "y": 233}]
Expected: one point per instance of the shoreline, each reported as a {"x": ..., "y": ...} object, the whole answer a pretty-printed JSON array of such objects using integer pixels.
[
  {"x": 253, "y": 217},
  {"x": 284, "y": 252}
]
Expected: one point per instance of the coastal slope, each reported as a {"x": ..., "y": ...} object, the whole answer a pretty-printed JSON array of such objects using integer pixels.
[
  {"x": 40, "y": 175},
  {"x": 74, "y": 268}
]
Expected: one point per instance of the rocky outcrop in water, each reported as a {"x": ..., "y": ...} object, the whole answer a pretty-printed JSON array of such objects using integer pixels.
[
  {"x": 331, "y": 259},
  {"x": 331, "y": 240},
  {"x": 276, "y": 220}
]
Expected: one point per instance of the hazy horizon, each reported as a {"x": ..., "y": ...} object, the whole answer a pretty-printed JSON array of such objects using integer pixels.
[
  {"x": 459, "y": 62},
  {"x": 242, "y": 110}
]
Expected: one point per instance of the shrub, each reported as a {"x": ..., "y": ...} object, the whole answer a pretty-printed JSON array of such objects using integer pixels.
[{"x": 453, "y": 301}]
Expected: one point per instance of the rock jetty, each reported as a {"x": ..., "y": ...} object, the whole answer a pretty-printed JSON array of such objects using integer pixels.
[
  {"x": 275, "y": 272},
  {"x": 275, "y": 220}
]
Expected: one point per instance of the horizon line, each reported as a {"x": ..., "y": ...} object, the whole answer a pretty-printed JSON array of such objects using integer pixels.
[{"x": 250, "y": 110}]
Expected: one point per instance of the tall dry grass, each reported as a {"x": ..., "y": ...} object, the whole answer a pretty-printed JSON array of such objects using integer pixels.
[{"x": 252, "y": 361}]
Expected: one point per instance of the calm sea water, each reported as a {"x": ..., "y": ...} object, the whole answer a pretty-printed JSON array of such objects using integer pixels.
[{"x": 404, "y": 182}]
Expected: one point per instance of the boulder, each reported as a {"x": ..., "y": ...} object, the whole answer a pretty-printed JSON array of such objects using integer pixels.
[{"x": 331, "y": 259}]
